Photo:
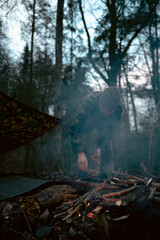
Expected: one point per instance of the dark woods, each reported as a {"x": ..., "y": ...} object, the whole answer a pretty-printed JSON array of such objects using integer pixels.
[{"x": 65, "y": 57}]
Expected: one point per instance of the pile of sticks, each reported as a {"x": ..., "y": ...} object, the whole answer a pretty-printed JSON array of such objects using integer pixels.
[
  {"x": 120, "y": 194},
  {"x": 119, "y": 201}
]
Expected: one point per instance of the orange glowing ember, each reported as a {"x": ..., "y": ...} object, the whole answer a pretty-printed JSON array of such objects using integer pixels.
[{"x": 90, "y": 215}]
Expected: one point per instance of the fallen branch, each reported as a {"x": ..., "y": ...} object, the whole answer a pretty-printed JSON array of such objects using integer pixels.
[
  {"x": 147, "y": 172},
  {"x": 127, "y": 182},
  {"x": 120, "y": 193}
]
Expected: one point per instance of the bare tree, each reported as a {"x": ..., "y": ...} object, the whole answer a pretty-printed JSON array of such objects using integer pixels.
[
  {"x": 117, "y": 39},
  {"x": 31, "y": 50},
  {"x": 58, "y": 160},
  {"x": 132, "y": 99}
]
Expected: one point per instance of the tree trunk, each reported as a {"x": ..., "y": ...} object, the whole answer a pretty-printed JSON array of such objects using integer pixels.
[
  {"x": 113, "y": 58},
  {"x": 58, "y": 159},
  {"x": 30, "y": 84},
  {"x": 30, "y": 87},
  {"x": 132, "y": 100},
  {"x": 155, "y": 81}
]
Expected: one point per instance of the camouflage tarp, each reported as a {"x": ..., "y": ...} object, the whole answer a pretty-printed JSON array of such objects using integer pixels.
[{"x": 20, "y": 124}]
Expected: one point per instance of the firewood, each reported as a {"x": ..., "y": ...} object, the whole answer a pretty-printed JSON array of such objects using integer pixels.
[
  {"x": 82, "y": 201},
  {"x": 127, "y": 176},
  {"x": 32, "y": 206},
  {"x": 147, "y": 172},
  {"x": 53, "y": 195},
  {"x": 152, "y": 193},
  {"x": 127, "y": 182},
  {"x": 93, "y": 184},
  {"x": 138, "y": 179},
  {"x": 119, "y": 193}
]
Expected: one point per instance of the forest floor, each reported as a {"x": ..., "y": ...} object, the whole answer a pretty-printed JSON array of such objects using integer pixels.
[{"x": 119, "y": 207}]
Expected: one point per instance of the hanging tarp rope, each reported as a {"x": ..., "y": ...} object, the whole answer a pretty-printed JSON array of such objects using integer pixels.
[{"x": 20, "y": 124}]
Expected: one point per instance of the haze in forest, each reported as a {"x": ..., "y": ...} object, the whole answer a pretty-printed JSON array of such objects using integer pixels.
[{"x": 120, "y": 47}]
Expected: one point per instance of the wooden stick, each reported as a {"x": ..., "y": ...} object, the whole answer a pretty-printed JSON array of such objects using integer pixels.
[
  {"x": 151, "y": 196},
  {"x": 84, "y": 199},
  {"x": 128, "y": 182},
  {"x": 136, "y": 178},
  {"x": 147, "y": 172},
  {"x": 119, "y": 193},
  {"x": 27, "y": 221},
  {"x": 93, "y": 185},
  {"x": 18, "y": 233}
]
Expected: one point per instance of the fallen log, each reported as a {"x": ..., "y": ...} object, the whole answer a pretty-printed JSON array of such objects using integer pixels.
[
  {"x": 83, "y": 184},
  {"x": 53, "y": 195},
  {"x": 31, "y": 207}
]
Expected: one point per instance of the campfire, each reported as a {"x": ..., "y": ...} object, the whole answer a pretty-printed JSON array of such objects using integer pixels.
[{"x": 119, "y": 206}]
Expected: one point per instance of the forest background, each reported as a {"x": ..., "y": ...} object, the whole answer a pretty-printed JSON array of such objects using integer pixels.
[{"x": 73, "y": 47}]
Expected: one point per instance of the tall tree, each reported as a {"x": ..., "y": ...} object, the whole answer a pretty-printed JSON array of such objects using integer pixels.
[
  {"x": 5, "y": 62},
  {"x": 120, "y": 24},
  {"x": 58, "y": 160},
  {"x": 30, "y": 89},
  {"x": 154, "y": 50},
  {"x": 153, "y": 36}
]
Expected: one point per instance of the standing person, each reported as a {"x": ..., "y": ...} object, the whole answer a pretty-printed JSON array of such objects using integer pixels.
[{"x": 101, "y": 111}]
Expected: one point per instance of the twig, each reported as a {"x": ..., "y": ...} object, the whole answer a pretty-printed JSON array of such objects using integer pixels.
[
  {"x": 60, "y": 214},
  {"x": 30, "y": 229},
  {"x": 65, "y": 205},
  {"x": 129, "y": 182},
  {"x": 151, "y": 196},
  {"x": 74, "y": 211},
  {"x": 13, "y": 230},
  {"x": 84, "y": 199},
  {"x": 136, "y": 178},
  {"x": 95, "y": 190},
  {"x": 147, "y": 172},
  {"x": 12, "y": 7},
  {"x": 119, "y": 193}
]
